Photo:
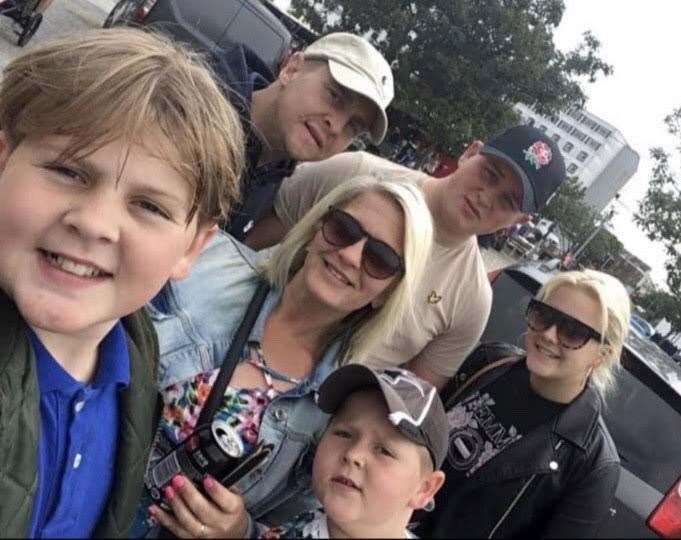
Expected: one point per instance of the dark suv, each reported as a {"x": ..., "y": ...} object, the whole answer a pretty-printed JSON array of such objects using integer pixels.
[
  {"x": 643, "y": 413},
  {"x": 268, "y": 32}
]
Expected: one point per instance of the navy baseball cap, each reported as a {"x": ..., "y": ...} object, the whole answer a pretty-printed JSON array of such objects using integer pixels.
[
  {"x": 414, "y": 406},
  {"x": 535, "y": 158}
]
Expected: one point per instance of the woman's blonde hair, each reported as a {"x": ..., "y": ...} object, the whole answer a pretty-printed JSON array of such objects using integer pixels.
[
  {"x": 102, "y": 85},
  {"x": 615, "y": 305},
  {"x": 371, "y": 325}
]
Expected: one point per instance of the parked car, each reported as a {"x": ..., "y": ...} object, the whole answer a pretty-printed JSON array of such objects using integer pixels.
[
  {"x": 643, "y": 413},
  {"x": 26, "y": 15},
  {"x": 206, "y": 23},
  {"x": 641, "y": 327}
]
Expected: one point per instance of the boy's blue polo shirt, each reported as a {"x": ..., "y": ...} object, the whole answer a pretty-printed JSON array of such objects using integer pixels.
[{"x": 78, "y": 435}]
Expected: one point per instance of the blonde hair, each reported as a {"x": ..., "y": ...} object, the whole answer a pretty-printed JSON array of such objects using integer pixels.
[
  {"x": 368, "y": 328},
  {"x": 615, "y": 306},
  {"x": 103, "y": 85}
]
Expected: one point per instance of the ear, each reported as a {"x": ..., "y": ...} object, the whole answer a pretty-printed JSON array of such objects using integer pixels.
[
  {"x": 472, "y": 150},
  {"x": 291, "y": 67},
  {"x": 203, "y": 234},
  {"x": 427, "y": 490}
]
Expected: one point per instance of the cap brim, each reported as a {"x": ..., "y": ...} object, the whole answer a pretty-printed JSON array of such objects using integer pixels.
[
  {"x": 349, "y": 78},
  {"x": 528, "y": 203}
]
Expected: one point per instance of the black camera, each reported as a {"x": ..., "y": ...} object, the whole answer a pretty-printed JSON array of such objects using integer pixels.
[{"x": 214, "y": 449}]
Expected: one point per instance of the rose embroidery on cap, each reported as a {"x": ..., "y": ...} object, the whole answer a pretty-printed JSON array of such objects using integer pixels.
[{"x": 539, "y": 154}]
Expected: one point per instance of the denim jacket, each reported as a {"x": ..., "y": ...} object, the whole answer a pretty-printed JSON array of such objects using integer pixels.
[{"x": 196, "y": 319}]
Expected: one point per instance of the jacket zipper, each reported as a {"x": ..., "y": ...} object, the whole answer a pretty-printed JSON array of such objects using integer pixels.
[{"x": 518, "y": 496}]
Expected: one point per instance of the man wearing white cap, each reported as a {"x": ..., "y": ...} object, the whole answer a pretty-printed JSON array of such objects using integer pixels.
[{"x": 322, "y": 99}]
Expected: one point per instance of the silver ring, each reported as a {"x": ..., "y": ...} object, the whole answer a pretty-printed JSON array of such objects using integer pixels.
[{"x": 202, "y": 530}]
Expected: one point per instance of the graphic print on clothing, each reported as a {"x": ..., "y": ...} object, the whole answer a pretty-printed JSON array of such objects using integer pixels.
[
  {"x": 476, "y": 433},
  {"x": 240, "y": 414}
]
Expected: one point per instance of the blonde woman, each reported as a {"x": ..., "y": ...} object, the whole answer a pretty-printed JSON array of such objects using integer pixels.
[
  {"x": 529, "y": 454},
  {"x": 338, "y": 282}
]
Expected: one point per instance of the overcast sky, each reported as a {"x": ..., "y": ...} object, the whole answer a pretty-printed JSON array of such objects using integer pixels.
[{"x": 641, "y": 40}]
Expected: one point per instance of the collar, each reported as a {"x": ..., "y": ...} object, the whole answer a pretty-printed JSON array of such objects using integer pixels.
[
  {"x": 583, "y": 411},
  {"x": 113, "y": 365}
]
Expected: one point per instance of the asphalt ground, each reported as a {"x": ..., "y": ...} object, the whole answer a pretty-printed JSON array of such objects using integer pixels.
[{"x": 63, "y": 17}]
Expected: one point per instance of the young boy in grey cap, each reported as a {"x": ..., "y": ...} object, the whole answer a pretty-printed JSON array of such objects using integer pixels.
[
  {"x": 322, "y": 99},
  {"x": 379, "y": 458},
  {"x": 497, "y": 183}
]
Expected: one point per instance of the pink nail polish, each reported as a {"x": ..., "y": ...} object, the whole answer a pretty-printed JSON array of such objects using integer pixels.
[
  {"x": 169, "y": 493},
  {"x": 153, "y": 509},
  {"x": 208, "y": 482},
  {"x": 178, "y": 481}
]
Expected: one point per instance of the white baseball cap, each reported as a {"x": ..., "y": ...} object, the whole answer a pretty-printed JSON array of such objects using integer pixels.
[{"x": 357, "y": 65}]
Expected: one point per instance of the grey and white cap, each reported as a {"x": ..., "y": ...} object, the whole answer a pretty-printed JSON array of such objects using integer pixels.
[{"x": 414, "y": 406}]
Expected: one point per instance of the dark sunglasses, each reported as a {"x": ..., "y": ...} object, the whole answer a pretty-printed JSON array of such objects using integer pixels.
[
  {"x": 341, "y": 230},
  {"x": 572, "y": 334}
]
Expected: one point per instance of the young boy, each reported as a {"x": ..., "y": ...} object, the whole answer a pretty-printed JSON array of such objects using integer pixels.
[
  {"x": 379, "y": 458},
  {"x": 118, "y": 154}
]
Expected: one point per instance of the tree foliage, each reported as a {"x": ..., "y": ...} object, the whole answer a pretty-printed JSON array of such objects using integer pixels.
[
  {"x": 460, "y": 66},
  {"x": 658, "y": 305},
  {"x": 659, "y": 212},
  {"x": 577, "y": 221}
]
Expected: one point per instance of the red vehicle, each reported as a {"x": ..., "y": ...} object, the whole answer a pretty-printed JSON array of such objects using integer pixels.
[{"x": 27, "y": 16}]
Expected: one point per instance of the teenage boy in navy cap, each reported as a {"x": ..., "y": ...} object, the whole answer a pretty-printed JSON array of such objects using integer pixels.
[
  {"x": 378, "y": 459},
  {"x": 322, "y": 99},
  {"x": 496, "y": 185}
]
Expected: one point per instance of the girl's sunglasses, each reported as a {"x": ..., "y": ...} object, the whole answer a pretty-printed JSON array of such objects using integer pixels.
[
  {"x": 341, "y": 230},
  {"x": 572, "y": 334}
]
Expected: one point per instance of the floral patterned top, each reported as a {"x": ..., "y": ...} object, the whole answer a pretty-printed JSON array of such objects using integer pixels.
[
  {"x": 241, "y": 411},
  {"x": 241, "y": 408}
]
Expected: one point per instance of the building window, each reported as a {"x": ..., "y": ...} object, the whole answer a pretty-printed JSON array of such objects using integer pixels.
[
  {"x": 603, "y": 131},
  {"x": 555, "y": 137},
  {"x": 567, "y": 147},
  {"x": 577, "y": 134},
  {"x": 594, "y": 145},
  {"x": 582, "y": 156},
  {"x": 572, "y": 168},
  {"x": 567, "y": 126},
  {"x": 542, "y": 127}
]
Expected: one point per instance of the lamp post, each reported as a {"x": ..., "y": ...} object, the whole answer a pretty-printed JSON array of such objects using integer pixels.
[{"x": 601, "y": 224}]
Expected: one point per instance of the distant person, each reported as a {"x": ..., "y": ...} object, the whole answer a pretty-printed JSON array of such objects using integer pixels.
[
  {"x": 379, "y": 458},
  {"x": 118, "y": 155},
  {"x": 495, "y": 185},
  {"x": 529, "y": 454},
  {"x": 323, "y": 99}
]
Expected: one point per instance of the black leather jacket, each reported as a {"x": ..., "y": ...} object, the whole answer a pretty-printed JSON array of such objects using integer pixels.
[{"x": 559, "y": 480}]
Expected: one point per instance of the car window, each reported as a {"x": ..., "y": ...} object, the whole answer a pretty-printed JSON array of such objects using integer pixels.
[
  {"x": 511, "y": 295},
  {"x": 645, "y": 430}
]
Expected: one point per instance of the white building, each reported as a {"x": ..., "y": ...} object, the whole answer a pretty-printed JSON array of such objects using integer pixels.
[{"x": 594, "y": 151}]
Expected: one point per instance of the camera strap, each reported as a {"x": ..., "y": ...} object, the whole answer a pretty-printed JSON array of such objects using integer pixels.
[{"x": 231, "y": 360}]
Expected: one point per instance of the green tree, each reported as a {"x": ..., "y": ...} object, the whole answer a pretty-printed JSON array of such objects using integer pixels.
[
  {"x": 658, "y": 305},
  {"x": 577, "y": 221},
  {"x": 460, "y": 66},
  {"x": 659, "y": 213}
]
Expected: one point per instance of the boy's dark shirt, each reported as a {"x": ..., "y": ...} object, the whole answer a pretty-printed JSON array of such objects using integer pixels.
[{"x": 242, "y": 72}]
